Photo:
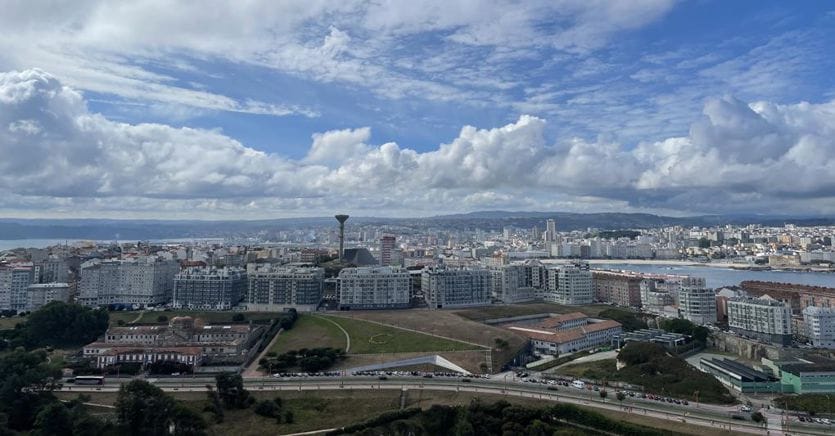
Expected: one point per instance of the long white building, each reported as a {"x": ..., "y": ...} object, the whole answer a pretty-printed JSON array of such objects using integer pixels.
[
  {"x": 762, "y": 318},
  {"x": 142, "y": 281},
  {"x": 373, "y": 288},
  {"x": 820, "y": 326},
  {"x": 444, "y": 288}
]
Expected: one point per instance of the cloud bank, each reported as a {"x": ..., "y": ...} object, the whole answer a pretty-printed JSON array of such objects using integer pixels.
[{"x": 59, "y": 157}]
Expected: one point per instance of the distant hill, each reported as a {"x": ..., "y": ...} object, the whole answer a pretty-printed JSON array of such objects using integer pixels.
[{"x": 108, "y": 229}]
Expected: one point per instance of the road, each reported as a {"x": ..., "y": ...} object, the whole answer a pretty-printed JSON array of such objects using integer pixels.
[{"x": 713, "y": 416}]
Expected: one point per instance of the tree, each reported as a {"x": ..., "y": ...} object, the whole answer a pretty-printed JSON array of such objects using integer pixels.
[
  {"x": 187, "y": 422},
  {"x": 230, "y": 388},
  {"x": 162, "y": 318},
  {"x": 144, "y": 409},
  {"x": 267, "y": 408},
  {"x": 26, "y": 384},
  {"x": 757, "y": 417},
  {"x": 64, "y": 325},
  {"x": 603, "y": 394},
  {"x": 288, "y": 417},
  {"x": 238, "y": 317},
  {"x": 620, "y": 396},
  {"x": 53, "y": 420}
]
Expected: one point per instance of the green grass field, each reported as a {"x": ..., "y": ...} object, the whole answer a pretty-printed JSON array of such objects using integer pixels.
[
  {"x": 310, "y": 331},
  {"x": 370, "y": 338}
]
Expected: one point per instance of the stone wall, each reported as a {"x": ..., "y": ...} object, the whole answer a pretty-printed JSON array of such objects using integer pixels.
[{"x": 745, "y": 348}]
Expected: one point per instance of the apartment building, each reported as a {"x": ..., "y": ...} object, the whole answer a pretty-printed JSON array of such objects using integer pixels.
[
  {"x": 14, "y": 283},
  {"x": 41, "y": 294},
  {"x": 620, "y": 288},
  {"x": 762, "y": 318},
  {"x": 445, "y": 288},
  {"x": 140, "y": 281},
  {"x": 569, "y": 285},
  {"x": 820, "y": 326},
  {"x": 373, "y": 288},
  {"x": 209, "y": 288},
  {"x": 277, "y": 287},
  {"x": 697, "y": 304}
]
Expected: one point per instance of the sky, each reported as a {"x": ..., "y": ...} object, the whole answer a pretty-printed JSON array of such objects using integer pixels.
[{"x": 258, "y": 109}]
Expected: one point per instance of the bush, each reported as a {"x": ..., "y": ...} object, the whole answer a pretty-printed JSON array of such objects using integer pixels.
[
  {"x": 162, "y": 318},
  {"x": 267, "y": 408},
  {"x": 238, "y": 317}
]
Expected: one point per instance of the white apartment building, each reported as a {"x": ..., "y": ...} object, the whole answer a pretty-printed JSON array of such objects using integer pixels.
[
  {"x": 373, "y": 288},
  {"x": 697, "y": 304},
  {"x": 444, "y": 288},
  {"x": 276, "y": 288},
  {"x": 209, "y": 288},
  {"x": 570, "y": 285},
  {"x": 142, "y": 281},
  {"x": 507, "y": 284},
  {"x": 41, "y": 294},
  {"x": 762, "y": 318},
  {"x": 820, "y": 326},
  {"x": 14, "y": 282}
]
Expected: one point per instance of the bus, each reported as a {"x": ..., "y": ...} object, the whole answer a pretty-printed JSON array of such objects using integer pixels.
[{"x": 89, "y": 380}]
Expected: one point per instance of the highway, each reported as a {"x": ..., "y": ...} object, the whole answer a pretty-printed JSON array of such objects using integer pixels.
[{"x": 713, "y": 416}]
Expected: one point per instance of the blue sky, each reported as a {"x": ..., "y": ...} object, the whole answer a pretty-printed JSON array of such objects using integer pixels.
[{"x": 678, "y": 107}]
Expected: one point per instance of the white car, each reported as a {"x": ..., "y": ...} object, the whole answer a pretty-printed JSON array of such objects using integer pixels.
[{"x": 745, "y": 408}]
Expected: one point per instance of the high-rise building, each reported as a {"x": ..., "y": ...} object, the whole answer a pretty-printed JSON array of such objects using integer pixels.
[
  {"x": 373, "y": 288},
  {"x": 14, "y": 282},
  {"x": 444, "y": 288},
  {"x": 550, "y": 230},
  {"x": 763, "y": 318},
  {"x": 276, "y": 288},
  {"x": 697, "y": 304},
  {"x": 41, "y": 294},
  {"x": 820, "y": 326},
  {"x": 387, "y": 247},
  {"x": 570, "y": 285},
  {"x": 209, "y": 288},
  {"x": 54, "y": 270},
  {"x": 142, "y": 282}
]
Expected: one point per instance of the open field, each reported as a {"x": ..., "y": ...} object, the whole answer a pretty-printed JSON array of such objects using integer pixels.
[
  {"x": 448, "y": 324},
  {"x": 371, "y": 338},
  {"x": 508, "y": 310},
  {"x": 310, "y": 331},
  {"x": 151, "y": 317},
  {"x": 327, "y": 409},
  {"x": 9, "y": 323},
  {"x": 597, "y": 370}
]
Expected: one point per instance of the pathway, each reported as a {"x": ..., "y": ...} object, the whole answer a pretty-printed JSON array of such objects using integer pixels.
[
  {"x": 138, "y": 317},
  {"x": 252, "y": 369},
  {"x": 347, "y": 336}
]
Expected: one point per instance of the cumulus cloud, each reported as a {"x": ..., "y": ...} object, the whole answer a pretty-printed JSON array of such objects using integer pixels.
[{"x": 59, "y": 156}]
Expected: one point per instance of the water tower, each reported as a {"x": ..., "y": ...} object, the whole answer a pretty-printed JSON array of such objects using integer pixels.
[{"x": 341, "y": 219}]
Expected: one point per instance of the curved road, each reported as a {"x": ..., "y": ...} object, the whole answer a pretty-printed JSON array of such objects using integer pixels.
[{"x": 704, "y": 415}]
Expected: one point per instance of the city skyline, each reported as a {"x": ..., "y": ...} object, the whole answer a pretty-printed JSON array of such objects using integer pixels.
[{"x": 263, "y": 110}]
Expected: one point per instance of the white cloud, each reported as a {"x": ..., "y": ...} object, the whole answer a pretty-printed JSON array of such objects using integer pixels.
[{"x": 59, "y": 157}]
